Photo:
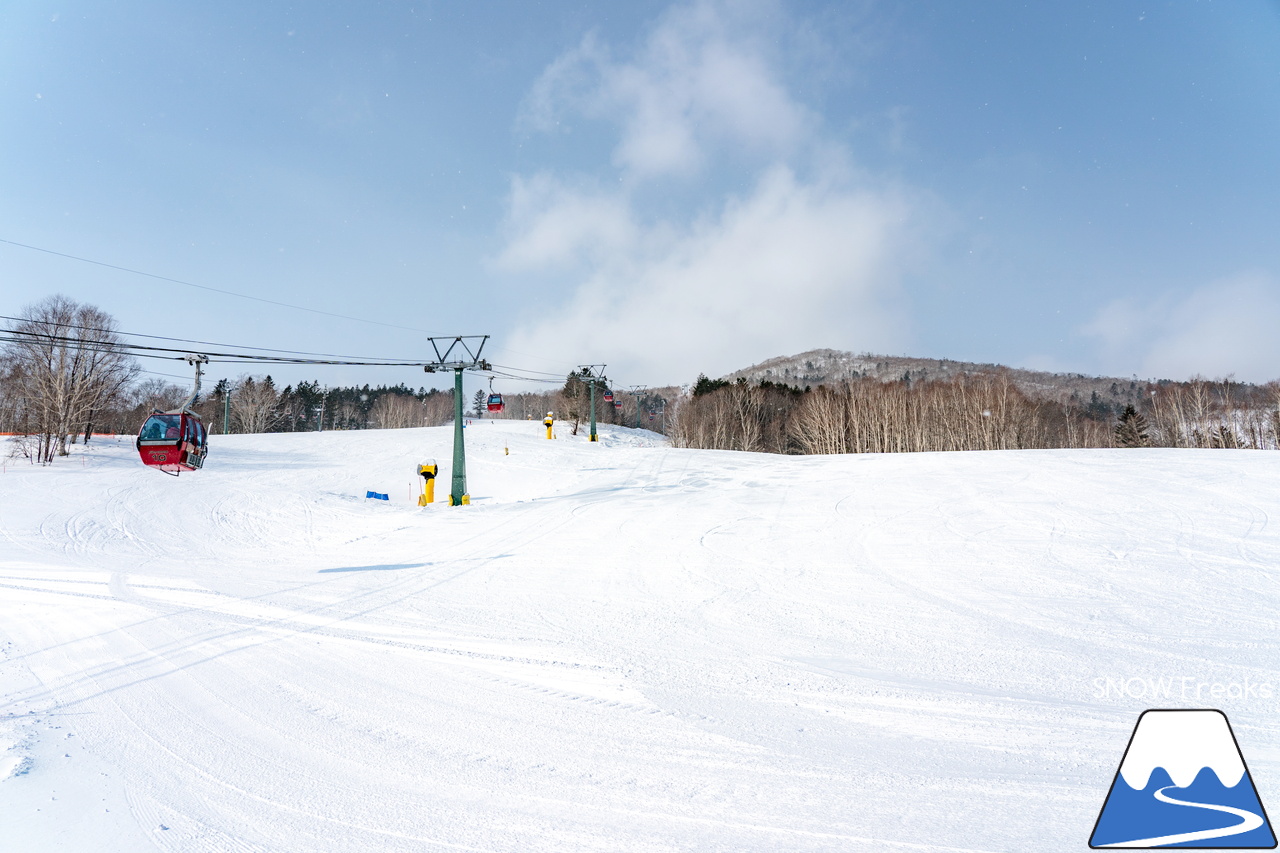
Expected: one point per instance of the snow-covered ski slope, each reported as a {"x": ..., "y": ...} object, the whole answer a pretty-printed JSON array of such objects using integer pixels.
[{"x": 616, "y": 647}]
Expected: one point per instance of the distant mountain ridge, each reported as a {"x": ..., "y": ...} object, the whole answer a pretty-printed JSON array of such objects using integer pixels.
[{"x": 828, "y": 366}]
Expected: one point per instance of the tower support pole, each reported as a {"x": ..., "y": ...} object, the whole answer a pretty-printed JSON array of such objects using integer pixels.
[{"x": 458, "y": 494}]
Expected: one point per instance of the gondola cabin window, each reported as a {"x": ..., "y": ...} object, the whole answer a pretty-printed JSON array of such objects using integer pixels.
[{"x": 162, "y": 428}]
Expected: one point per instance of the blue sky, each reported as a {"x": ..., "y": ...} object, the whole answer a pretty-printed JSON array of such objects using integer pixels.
[{"x": 666, "y": 188}]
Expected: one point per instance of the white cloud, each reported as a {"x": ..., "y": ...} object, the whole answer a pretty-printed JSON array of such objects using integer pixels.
[
  {"x": 556, "y": 225},
  {"x": 802, "y": 254},
  {"x": 1227, "y": 328},
  {"x": 790, "y": 267},
  {"x": 701, "y": 78},
  {"x": 1119, "y": 326}
]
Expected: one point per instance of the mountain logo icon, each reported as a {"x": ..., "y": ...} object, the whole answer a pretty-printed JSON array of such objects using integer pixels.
[{"x": 1183, "y": 783}]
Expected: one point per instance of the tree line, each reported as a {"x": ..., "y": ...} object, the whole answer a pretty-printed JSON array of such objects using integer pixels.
[
  {"x": 254, "y": 404},
  {"x": 64, "y": 376},
  {"x": 986, "y": 411}
]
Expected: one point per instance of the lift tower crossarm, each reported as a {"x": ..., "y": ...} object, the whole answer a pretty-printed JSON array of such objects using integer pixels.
[{"x": 459, "y": 353}]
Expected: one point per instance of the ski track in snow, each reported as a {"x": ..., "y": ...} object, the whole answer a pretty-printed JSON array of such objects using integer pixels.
[{"x": 618, "y": 646}]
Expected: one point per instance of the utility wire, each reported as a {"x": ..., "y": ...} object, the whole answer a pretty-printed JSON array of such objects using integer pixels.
[
  {"x": 225, "y": 292},
  {"x": 169, "y": 375},
  {"x": 187, "y": 341},
  {"x": 506, "y": 371},
  {"x": 223, "y": 357},
  {"x": 526, "y": 370},
  {"x": 172, "y": 354},
  {"x": 76, "y": 346},
  {"x": 269, "y": 356},
  {"x": 207, "y": 287},
  {"x": 525, "y": 378}
]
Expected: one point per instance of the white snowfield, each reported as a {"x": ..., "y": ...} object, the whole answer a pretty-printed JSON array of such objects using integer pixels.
[{"x": 616, "y": 647}]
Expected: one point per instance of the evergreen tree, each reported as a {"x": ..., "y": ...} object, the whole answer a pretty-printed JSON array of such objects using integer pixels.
[
  {"x": 706, "y": 386},
  {"x": 577, "y": 398},
  {"x": 1098, "y": 409},
  {"x": 1131, "y": 431}
]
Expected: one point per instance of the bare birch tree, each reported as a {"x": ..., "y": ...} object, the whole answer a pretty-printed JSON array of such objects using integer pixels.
[
  {"x": 397, "y": 411},
  {"x": 64, "y": 362},
  {"x": 255, "y": 404}
]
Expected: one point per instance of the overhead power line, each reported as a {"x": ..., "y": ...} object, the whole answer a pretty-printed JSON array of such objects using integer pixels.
[
  {"x": 506, "y": 375},
  {"x": 560, "y": 376},
  {"x": 223, "y": 291},
  {"x": 167, "y": 375},
  {"x": 260, "y": 355},
  {"x": 201, "y": 343},
  {"x": 144, "y": 351},
  {"x": 264, "y": 355},
  {"x": 180, "y": 354}
]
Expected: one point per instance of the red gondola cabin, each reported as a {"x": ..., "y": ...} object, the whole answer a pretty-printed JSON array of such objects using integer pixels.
[
  {"x": 495, "y": 402},
  {"x": 608, "y": 396},
  {"x": 173, "y": 442}
]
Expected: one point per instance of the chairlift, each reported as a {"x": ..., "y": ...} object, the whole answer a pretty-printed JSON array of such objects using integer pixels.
[{"x": 175, "y": 441}]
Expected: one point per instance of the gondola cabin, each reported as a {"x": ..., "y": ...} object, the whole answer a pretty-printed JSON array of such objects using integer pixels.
[
  {"x": 617, "y": 404},
  {"x": 173, "y": 442},
  {"x": 608, "y": 396},
  {"x": 495, "y": 402}
]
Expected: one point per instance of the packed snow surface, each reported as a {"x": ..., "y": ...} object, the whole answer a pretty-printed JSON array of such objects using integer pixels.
[{"x": 617, "y": 646}]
